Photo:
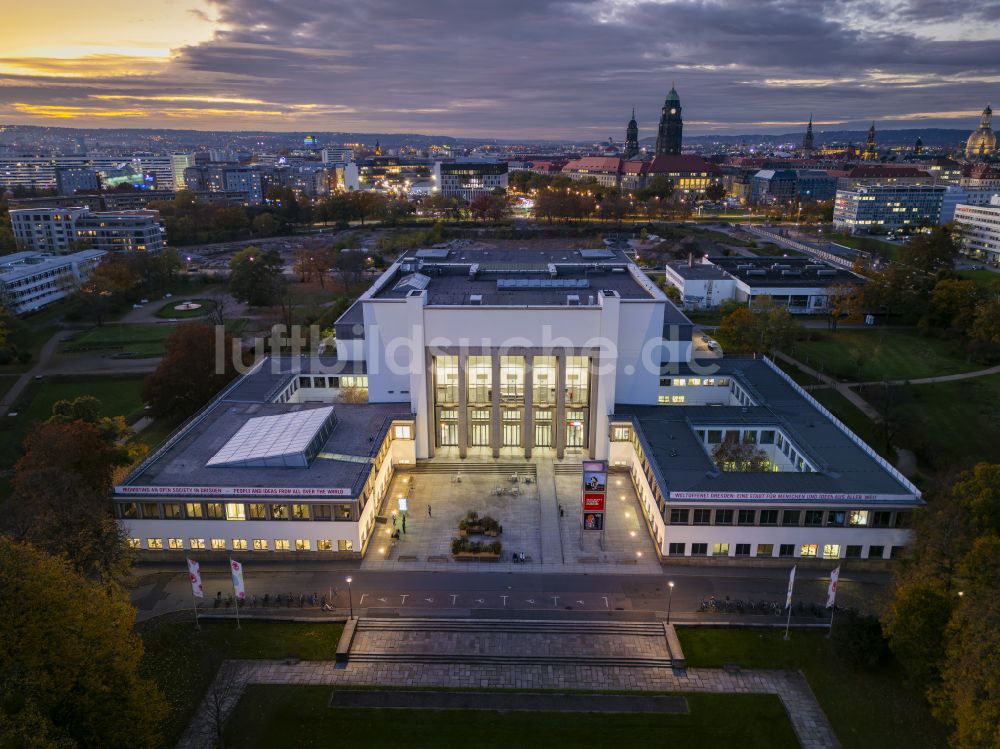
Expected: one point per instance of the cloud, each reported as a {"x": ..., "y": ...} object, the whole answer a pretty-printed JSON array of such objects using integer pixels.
[{"x": 554, "y": 69}]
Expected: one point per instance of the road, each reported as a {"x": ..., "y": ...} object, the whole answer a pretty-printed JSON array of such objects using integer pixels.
[{"x": 468, "y": 592}]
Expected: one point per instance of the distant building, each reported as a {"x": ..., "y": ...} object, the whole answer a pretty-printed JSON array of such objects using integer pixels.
[
  {"x": 884, "y": 175},
  {"x": 877, "y": 209},
  {"x": 871, "y": 148},
  {"x": 808, "y": 142},
  {"x": 979, "y": 226},
  {"x": 73, "y": 179},
  {"x": 632, "y": 138},
  {"x": 983, "y": 141},
  {"x": 980, "y": 182},
  {"x": 30, "y": 281},
  {"x": 669, "y": 134},
  {"x": 178, "y": 163},
  {"x": 944, "y": 170},
  {"x": 605, "y": 169},
  {"x": 468, "y": 180},
  {"x": 47, "y": 229},
  {"x": 689, "y": 174},
  {"x": 336, "y": 155}
]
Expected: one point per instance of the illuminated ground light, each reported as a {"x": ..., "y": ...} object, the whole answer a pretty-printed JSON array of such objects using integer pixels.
[
  {"x": 628, "y": 514},
  {"x": 638, "y": 553},
  {"x": 618, "y": 482},
  {"x": 632, "y": 534},
  {"x": 381, "y": 550},
  {"x": 622, "y": 497}
]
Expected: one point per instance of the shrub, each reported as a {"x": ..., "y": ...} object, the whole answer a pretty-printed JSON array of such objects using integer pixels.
[{"x": 857, "y": 639}]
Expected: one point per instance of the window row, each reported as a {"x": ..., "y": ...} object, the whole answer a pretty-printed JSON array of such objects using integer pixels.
[
  {"x": 233, "y": 511},
  {"x": 792, "y": 518},
  {"x": 240, "y": 544},
  {"x": 694, "y": 381},
  {"x": 825, "y": 551}
]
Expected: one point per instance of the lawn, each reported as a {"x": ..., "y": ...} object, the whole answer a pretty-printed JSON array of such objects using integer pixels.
[
  {"x": 170, "y": 311},
  {"x": 867, "y": 244},
  {"x": 269, "y": 716},
  {"x": 140, "y": 341},
  {"x": 882, "y": 353},
  {"x": 7, "y": 382},
  {"x": 183, "y": 660},
  {"x": 119, "y": 396},
  {"x": 982, "y": 276},
  {"x": 867, "y": 709}
]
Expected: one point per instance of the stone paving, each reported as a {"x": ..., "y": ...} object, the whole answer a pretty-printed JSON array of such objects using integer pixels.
[
  {"x": 532, "y": 524},
  {"x": 808, "y": 720}
]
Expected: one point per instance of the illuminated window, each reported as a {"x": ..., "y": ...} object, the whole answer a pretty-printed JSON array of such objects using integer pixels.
[
  {"x": 175, "y": 543},
  {"x": 403, "y": 432},
  {"x": 215, "y": 510},
  {"x": 240, "y": 544},
  {"x": 218, "y": 544},
  {"x": 345, "y": 545},
  {"x": 260, "y": 544},
  {"x": 831, "y": 551},
  {"x": 302, "y": 544},
  {"x": 235, "y": 511},
  {"x": 194, "y": 510},
  {"x": 155, "y": 544},
  {"x": 720, "y": 550},
  {"x": 134, "y": 543},
  {"x": 197, "y": 543},
  {"x": 281, "y": 544},
  {"x": 807, "y": 550},
  {"x": 300, "y": 512},
  {"x": 324, "y": 544},
  {"x": 857, "y": 517}
]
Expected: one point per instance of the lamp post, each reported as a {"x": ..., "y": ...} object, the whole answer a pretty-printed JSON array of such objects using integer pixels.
[
  {"x": 350, "y": 598},
  {"x": 670, "y": 599}
]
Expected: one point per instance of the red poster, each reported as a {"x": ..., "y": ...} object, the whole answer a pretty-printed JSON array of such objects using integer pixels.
[{"x": 593, "y": 501}]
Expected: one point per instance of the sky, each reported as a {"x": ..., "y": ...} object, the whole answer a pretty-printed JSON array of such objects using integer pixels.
[{"x": 517, "y": 69}]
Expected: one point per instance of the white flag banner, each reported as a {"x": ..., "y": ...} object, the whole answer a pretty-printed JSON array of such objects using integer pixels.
[
  {"x": 831, "y": 592},
  {"x": 791, "y": 584},
  {"x": 194, "y": 573},
  {"x": 237, "y": 569}
]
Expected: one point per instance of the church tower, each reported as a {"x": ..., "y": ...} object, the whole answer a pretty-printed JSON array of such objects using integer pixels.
[
  {"x": 871, "y": 149},
  {"x": 982, "y": 142},
  {"x": 632, "y": 138},
  {"x": 668, "y": 137},
  {"x": 808, "y": 144}
]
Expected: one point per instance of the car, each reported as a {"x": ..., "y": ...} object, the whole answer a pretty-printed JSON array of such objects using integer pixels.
[{"x": 713, "y": 346}]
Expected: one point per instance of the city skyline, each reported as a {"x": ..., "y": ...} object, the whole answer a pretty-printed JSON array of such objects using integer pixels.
[{"x": 550, "y": 70}]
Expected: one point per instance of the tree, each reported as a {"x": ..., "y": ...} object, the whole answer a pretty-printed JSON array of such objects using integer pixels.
[
  {"x": 858, "y": 640},
  {"x": 191, "y": 372},
  {"x": 255, "y": 276},
  {"x": 931, "y": 252},
  {"x": 87, "y": 408},
  {"x": 60, "y": 498},
  {"x": 743, "y": 457},
  {"x": 846, "y": 303},
  {"x": 952, "y": 305},
  {"x": 761, "y": 328},
  {"x": 69, "y": 657},
  {"x": 715, "y": 192},
  {"x": 265, "y": 225},
  {"x": 107, "y": 288}
]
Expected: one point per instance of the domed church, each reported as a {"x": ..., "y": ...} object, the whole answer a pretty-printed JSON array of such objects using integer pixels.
[{"x": 983, "y": 141}]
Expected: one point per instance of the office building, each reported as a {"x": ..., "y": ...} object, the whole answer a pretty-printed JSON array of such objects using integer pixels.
[
  {"x": 30, "y": 281},
  {"x": 467, "y": 180},
  {"x": 74, "y": 179},
  {"x": 879, "y": 209},
  {"x": 979, "y": 228},
  {"x": 47, "y": 229}
]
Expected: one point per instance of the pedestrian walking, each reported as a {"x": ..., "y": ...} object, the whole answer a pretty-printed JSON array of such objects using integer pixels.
[
  {"x": 404, "y": 523},
  {"x": 428, "y": 511}
]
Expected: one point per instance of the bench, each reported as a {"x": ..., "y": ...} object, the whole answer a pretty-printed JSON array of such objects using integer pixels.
[{"x": 732, "y": 668}]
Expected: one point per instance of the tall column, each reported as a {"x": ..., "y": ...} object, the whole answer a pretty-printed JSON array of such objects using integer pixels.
[
  {"x": 496, "y": 426},
  {"x": 528, "y": 421},
  {"x": 463, "y": 404},
  {"x": 432, "y": 432},
  {"x": 560, "y": 422},
  {"x": 592, "y": 407}
]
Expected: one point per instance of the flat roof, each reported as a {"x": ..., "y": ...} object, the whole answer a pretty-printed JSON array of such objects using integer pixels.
[
  {"x": 698, "y": 271},
  {"x": 512, "y": 277},
  {"x": 784, "y": 271},
  {"x": 343, "y": 462},
  {"x": 843, "y": 466}
]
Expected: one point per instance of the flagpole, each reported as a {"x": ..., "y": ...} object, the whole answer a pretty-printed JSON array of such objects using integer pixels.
[
  {"x": 833, "y": 610},
  {"x": 788, "y": 600},
  {"x": 197, "y": 624},
  {"x": 788, "y": 621}
]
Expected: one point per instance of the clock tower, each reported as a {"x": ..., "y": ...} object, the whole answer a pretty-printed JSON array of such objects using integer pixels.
[{"x": 668, "y": 138}]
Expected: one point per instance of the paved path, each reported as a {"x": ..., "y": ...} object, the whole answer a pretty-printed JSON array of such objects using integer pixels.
[
  {"x": 931, "y": 380},
  {"x": 810, "y": 723},
  {"x": 860, "y": 403},
  {"x": 44, "y": 355}
]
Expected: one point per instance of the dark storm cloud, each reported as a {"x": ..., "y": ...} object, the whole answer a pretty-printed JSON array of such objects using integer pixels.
[{"x": 560, "y": 69}]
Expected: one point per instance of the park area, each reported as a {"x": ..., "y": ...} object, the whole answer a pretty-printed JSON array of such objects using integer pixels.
[
  {"x": 882, "y": 353},
  {"x": 186, "y": 309},
  {"x": 867, "y": 708},
  {"x": 122, "y": 340},
  {"x": 270, "y": 716}
]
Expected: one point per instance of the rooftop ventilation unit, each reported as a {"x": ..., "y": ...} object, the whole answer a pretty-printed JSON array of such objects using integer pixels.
[
  {"x": 476, "y": 300},
  {"x": 473, "y": 270},
  {"x": 572, "y": 300},
  {"x": 827, "y": 272},
  {"x": 552, "y": 270}
]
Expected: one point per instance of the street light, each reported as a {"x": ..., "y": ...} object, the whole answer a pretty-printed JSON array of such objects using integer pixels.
[
  {"x": 670, "y": 599},
  {"x": 350, "y": 598}
]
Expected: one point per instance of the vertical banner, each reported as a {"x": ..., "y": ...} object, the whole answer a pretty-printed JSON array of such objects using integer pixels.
[
  {"x": 831, "y": 592},
  {"x": 594, "y": 494},
  {"x": 237, "y": 569},
  {"x": 791, "y": 584},
  {"x": 194, "y": 574}
]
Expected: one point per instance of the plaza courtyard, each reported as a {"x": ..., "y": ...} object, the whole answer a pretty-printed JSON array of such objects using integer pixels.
[{"x": 537, "y": 505}]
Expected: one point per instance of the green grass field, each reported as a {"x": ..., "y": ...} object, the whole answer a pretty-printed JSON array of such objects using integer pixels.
[
  {"x": 868, "y": 244},
  {"x": 183, "y": 660},
  {"x": 170, "y": 311},
  {"x": 119, "y": 396},
  {"x": 139, "y": 340},
  {"x": 984, "y": 277},
  {"x": 873, "y": 355},
  {"x": 867, "y": 709},
  {"x": 269, "y": 716}
]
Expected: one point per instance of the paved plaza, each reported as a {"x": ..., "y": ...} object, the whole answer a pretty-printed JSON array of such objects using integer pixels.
[{"x": 538, "y": 508}]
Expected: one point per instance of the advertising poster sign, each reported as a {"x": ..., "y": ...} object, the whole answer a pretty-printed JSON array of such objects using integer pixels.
[{"x": 594, "y": 490}]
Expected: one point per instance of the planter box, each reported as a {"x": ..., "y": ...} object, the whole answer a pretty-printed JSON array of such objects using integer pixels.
[
  {"x": 493, "y": 534},
  {"x": 473, "y": 556}
]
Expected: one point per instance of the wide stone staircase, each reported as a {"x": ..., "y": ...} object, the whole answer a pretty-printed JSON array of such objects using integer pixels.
[
  {"x": 498, "y": 468},
  {"x": 510, "y": 642}
]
